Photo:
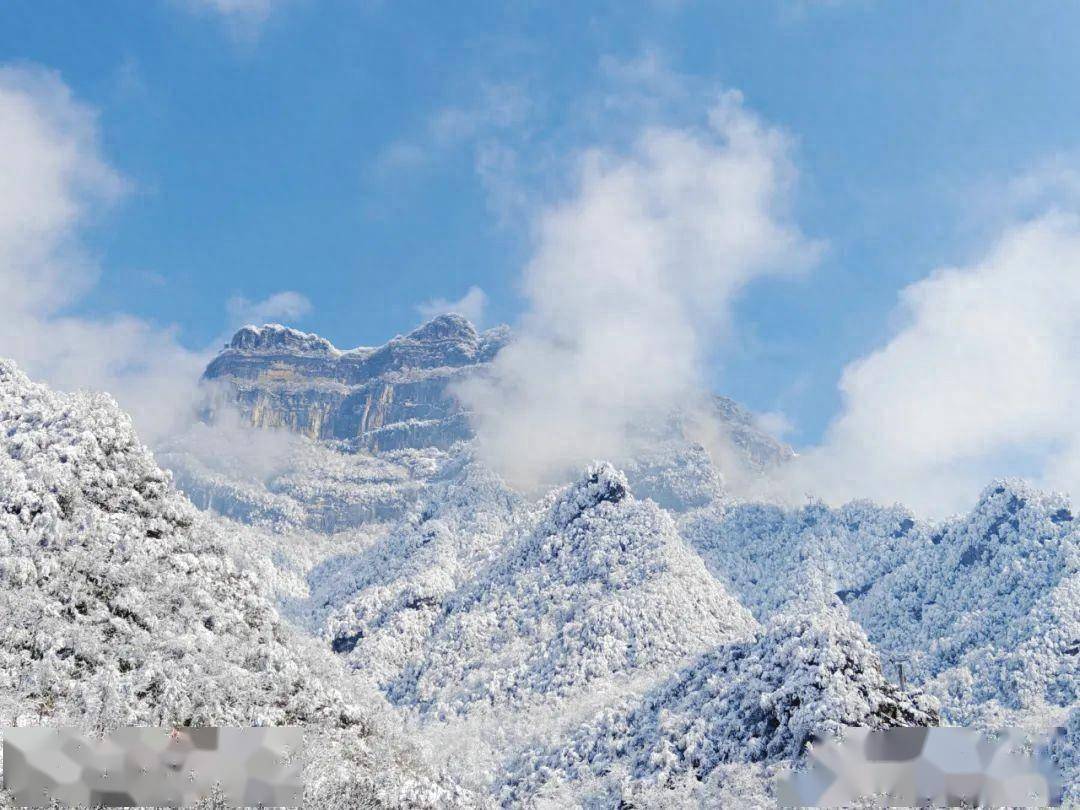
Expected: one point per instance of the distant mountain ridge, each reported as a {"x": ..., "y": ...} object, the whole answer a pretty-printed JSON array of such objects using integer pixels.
[
  {"x": 590, "y": 648},
  {"x": 383, "y": 398},
  {"x": 397, "y": 395}
]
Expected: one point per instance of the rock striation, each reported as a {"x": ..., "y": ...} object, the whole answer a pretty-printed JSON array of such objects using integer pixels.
[{"x": 385, "y": 398}]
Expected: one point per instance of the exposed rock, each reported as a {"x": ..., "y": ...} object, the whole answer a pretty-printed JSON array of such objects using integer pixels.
[
  {"x": 383, "y": 398},
  {"x": 396, "y": 396}
]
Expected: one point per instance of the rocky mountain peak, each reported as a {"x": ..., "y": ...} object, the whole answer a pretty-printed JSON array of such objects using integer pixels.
[
  {"x": 381, "y": 398},
  {"x": 399, "y": 395},
  {"x": 448, "y": 327},
  {"x": 273, "y": 338}
]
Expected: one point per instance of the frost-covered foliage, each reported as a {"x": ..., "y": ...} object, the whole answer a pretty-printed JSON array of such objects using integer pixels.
[
  {"x": 123, "y": 605},
  {"x": 988, "y": 612},
  {"x": 602, "y": 586},
  {"x": 379, "y": 607},
  {"x": 770, "y": 556},
  {"x": 676, "y": 475},
  {"x": 755, "y": 701},
  {"x": 1066, "y": 753},
  {"x": 983, "y": 611},
  {"x": 587, "y": 648}
]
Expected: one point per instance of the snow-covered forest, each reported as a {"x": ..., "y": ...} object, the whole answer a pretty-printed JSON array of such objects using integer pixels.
[
  {"x": 450, "y": 641},
  {"x": 693, "y": 383}
]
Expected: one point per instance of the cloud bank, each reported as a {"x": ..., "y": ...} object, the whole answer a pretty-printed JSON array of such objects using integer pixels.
[
  {"x": 631, "y": 276},
  {"x": 980, "y": 382},
  {"x": 54, "y": 177}
]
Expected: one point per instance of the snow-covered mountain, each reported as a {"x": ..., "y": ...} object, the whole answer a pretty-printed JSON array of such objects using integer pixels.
[
  {"x": 634, "y": 638},
  {"x": 754, "y": 701},
  {"x": 124, "y": 605},
  {"x": 382, "y": 398},
  {"x": 600, "y": 588},
  {"x": 986, "y": 609},
  {"x": 393, "y": 396},
  {"x": 387, "y": 423}
]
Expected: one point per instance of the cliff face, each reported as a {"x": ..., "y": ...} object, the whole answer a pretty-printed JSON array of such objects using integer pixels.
[
  {"x": 396, "y": 395},
  {"x": 382, "y": 398}
]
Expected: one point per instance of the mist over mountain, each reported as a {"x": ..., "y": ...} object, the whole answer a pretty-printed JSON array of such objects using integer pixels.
[
  {"x": 405, "y": 394},
  {"x": 384, "y": 398},
  {"x": 330, "y": 548}
]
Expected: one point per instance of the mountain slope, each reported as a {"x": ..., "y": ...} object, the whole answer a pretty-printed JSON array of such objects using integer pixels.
[
  {"x": 759, "y": 700},
  {"x": 982, "y": 610},
  {"x": 987, "y": 612},
  {"x": 284, "y": 482},
  {"x": 770, "y": 555},
  {"x": 124, "y": 605},
  {"x": 601, "y": 587}
]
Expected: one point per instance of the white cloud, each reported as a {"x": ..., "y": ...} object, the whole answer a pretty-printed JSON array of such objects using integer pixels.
[
  {"x": 471, "y": 305},
  {"x": 54, "y": 177},
  {"x": 632, "y": 274},
  {"x": 775, "y": 423},
  {"x": 498, "y": 108},
  {"x": 287, "y": 305},
  {"x": 490, "y": 131},
  {"x": 982, "y": 381}
]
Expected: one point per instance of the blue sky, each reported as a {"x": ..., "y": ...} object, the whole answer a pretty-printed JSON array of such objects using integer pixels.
[{"x": 374, "y": 155}]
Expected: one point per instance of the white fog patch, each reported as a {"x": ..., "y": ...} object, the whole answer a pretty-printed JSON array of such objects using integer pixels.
[{"x": 630, "y": 278}]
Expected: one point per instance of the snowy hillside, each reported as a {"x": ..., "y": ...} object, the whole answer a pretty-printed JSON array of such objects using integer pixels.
[
  {"x": 983, "y": 610},
  {"x": 639, "y": 639},
  {"x": 987, "y": 611},
  {"x": 122, "y": 604},
  {"x": 602, "y": 587},
  {"x": 755, "y": 701},
  {"x": 276, "y": 479}
]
